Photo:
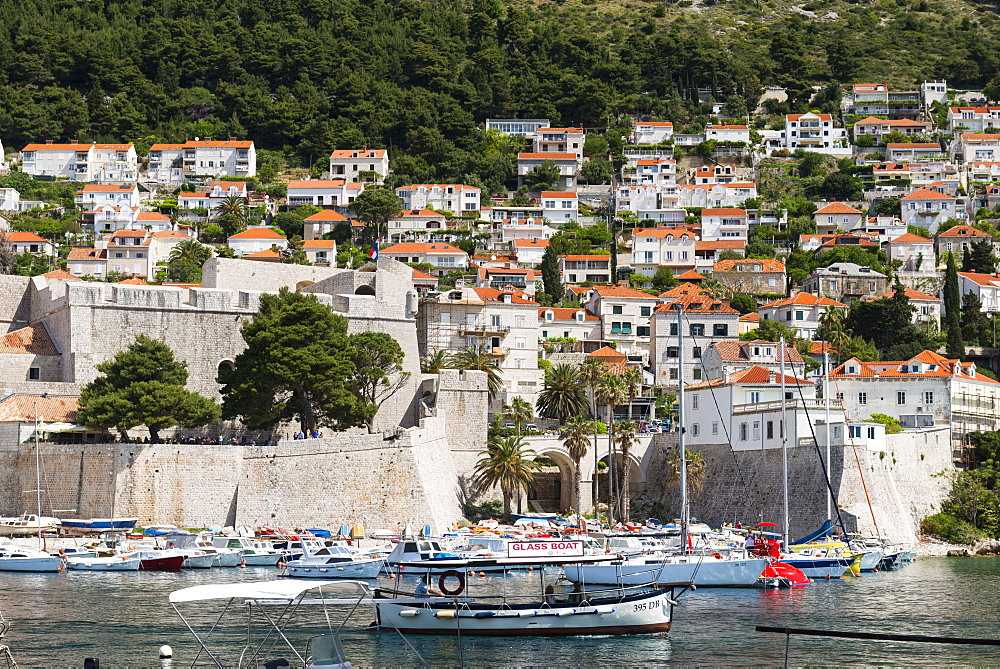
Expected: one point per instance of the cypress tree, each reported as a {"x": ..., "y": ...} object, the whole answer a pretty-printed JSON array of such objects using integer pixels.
[
  {"x": 551, "y": 279},
  {"x": 953, "y": 311}
]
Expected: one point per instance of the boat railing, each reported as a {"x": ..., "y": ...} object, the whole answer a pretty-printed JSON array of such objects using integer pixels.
[{"x": 465, "y": 597}]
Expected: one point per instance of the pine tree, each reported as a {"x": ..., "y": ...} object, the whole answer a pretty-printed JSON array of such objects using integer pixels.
[
  {"x": 975, "y": 324},
  {"x": 551, "y": 279},
  {"x": 953, "y": 311}
]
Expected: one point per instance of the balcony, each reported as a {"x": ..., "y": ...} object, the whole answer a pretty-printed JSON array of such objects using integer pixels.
[
  {"x": 790, "y": 405},
  {"x": 482, "y": 329},
  {"x": 497, "y": 352}
]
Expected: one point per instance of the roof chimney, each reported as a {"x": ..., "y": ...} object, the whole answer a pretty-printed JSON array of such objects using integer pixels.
[
  {"x": 74, "y": 141},
  {"x": 208, "y": 139},
  {"x": 232, "y": 139},
  {"x": 48, "y": 141}
]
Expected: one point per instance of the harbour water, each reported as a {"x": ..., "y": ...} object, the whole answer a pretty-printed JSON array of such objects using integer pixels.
[{"x": 123, "y": 618}]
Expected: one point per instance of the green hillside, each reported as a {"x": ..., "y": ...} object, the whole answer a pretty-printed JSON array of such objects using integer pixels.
[{"x": 310, "y": 75}]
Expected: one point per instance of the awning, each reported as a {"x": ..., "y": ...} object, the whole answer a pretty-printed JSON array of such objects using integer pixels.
[{"x": 287, "y": 589}]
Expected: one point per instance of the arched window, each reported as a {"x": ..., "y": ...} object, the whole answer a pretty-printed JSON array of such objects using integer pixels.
[
  {"x": 365, "y": 290},
  {"x": 226, "y": 366}
]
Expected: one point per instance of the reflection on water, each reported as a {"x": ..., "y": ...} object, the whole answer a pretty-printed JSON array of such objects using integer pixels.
[{"x": 122, "y": 618}]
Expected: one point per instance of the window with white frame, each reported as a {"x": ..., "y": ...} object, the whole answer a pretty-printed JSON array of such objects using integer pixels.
[
  {"x": 900, "y": 397},
  {"x": 863, "y": 399}
]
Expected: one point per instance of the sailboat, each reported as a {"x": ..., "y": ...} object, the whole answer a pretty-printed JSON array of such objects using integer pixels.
[{"x": 16, "y": 558}]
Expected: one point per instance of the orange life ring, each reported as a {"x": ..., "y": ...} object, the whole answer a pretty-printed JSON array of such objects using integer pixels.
[
  {"x": 444, "y": 577},
  {"x": 716, "y": 556}
]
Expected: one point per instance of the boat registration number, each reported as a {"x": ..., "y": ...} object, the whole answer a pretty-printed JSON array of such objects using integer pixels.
[{"x": 646, "y": 606}]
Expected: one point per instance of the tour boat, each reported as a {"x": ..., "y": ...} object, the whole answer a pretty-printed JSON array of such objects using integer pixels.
[
  {"x": 28, "y": 523},
  {"x": 334, "y": 561},
  {"x": 18, "y": 558},
  {"x": 111, "y": 563},
  {"x": 97, "y": 525},
  {"x": 622, "y": 610},
  {"x": 254, "y": 553},
  {"x": 715, "y": 570}
]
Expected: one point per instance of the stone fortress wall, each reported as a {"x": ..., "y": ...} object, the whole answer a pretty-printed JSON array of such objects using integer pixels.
[{"x": 414, "y": 469}]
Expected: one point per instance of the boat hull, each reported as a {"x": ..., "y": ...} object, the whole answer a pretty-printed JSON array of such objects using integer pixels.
[
  {"x": 816, "y": 567},
  {"x": 97, "y": 525},
  {"x": 709, "y": 572},
  {"x": 206, "y": 561},
  {"x": 359, "y": 569},
  {"x": 649, "y": 613},
  {"x": 262, "y": 559},
  {"x": 169, "y": 563},
  {"x": 103, "y": 564},
  {"x": 31, "y": 564},
  {"x": 871, "y": 560}
]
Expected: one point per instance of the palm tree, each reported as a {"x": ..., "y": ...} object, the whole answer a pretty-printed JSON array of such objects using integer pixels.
[
  {"x": 632, "y": 379},
  {"x": 434, "y": 361},
  {"x": 192, "y": 251},
  {"x": 695, "y": 469},
  {"x": 625, "y": 439},
  {"x": 611, "y": 392},
  {"x": 507, "y": 464},
  {"x": 519, "y": 411},
  {"x": 563, "y": 394},
  {"x": 575, "y": 437},
  {"x": 591, "y": 372},
  {"x": 233, "y": 204},
  {"x": 475, "y": 358},
  {"x": 834, "y": 326}
]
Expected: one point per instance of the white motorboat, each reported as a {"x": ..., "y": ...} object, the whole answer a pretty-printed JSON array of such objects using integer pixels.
[
  {"x": 227, "y": 557},
  {"x": 254, "y": 553},
  {"x": 19, "y": 558},
  {"x": 112, "y": 563},
  {"x": 715, "y": 570},
  {"x": 28, "y": 523},
  {"x": 334, "y": 561},
  {"x": 617, "y": 611},
  {"x": 414, "y": 552},
  {"x": 195, "y": 556}
]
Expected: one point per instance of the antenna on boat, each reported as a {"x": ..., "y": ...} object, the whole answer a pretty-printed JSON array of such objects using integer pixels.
[
  {"x": 784, "y": 438},
  {"x": 682, "y": 462},
  {"x": 826, "y": 401}
]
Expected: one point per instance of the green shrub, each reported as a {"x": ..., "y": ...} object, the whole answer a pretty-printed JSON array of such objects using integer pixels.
[{"x": 950, "y": 529}]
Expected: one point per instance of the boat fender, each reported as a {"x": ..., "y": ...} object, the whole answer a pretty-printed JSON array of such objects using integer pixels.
[
  {"x": 671, "y": 601},
  {"x": 484, "y": 614},
  {"x": 409, "y": 613},
  {"x": 443, "y": 579},
  {"x": 445, "y": 614},
  {"x": 716, "y": 556}
]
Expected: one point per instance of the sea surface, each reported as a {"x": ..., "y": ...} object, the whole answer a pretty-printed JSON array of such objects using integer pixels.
[{"x": 58, "y": 620}]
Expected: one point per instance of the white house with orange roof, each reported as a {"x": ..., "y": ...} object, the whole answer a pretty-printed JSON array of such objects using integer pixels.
[
  {"x": 322, "y": 222},
  {"x": 625, "y": 315},
  {"x": 870, "y": 99},
  {"x": 153, "y": 221},
  {"x": 975, "y": 119},
  {"x": 166, "y": 163},
  {"x": 905, "y": 152},
  {"x": 416, "y": 224},
  {"x": 726, "y": 223},
  {"x": 579, "y": 324},
  {"x": 81, "y": 162},
  {"x": 744, "y": 410},
  {"x": 924, "y": 391},
  {"x": 558, "y": 140},
  {"x": 651, "y": 132},
  {"x": 880, "y": 127},
  {"x": 129, "y": 253},
  {"x": 636, "y": 198},
  {"x": 751, "y": 275},
  {"x": 731, "y": 356},
  {"x": 444, "y": 257},
  {"x": 503, "y": 212},
  {"x": 508, "y": 277},
  {"x": 529, "y": 252},
  {"x": 95, "y": 195},
  {"x": 456, "y": 198},
  {"x": 254, "y": 240},
  {"x": 653, "y": 248},
  {"x": 567, "y": 163},
  {"x": 560, "y": 206},
  {"x": 87, "y": 262},
  {"x": 705, "y": 320},
  {"x": 707, "y": 253},
  {"x": 732, "y": 194},
  {"x": 585, "y": 268},
  {"x": 650, "y": 171},
  {"x": 504, "y": 323},
  {"x": 928, "y": 208},
  {"x": 916, "y": 253},
  {"x": 523, "y": 228},
  {"x": 728, "y": 133},
  {"x": 29, "y": 242},
  {"x": 927, "y": 308},
  {"x": 958, "y": 238},
  {"x": 977, "y": 147},
  {"x": 987, "y": 171},
  {"x": 323, "y": 192},
  {"x": 715, "y": 174},
  {"x": 320, "y": 251},
  {"x": 801, "y": 312},
  {"x": 884, "y": 228},
  {"x": 108, "y": 218},
  {"x": 208, "y": 158},
  {"x": 837, "y": 216},
  {"x": 985, "y": 286},
  {"x": 164, "y": 241},
  {"x": 351, "y": 164},
  {"x": 815, "y": 132}
]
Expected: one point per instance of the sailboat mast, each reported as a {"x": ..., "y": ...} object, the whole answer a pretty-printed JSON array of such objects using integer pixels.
[
  {"x": 826, "y": 400},
  {"x": 38, "y": 481},
  {"x": 784, "y": 439},
  {"x": 680, "y": 426}
]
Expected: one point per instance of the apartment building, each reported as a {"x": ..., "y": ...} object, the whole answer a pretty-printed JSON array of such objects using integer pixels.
[
  {"x": 359, "y": 165},
  {"x": 129, "y": 252},
  {"x": 566, "y": 162},
  {"x": 977, "y": 148},
  {"x": 444, "y": 257},
  {"x": 751, "y": 276},
  {"x": 323, "y": 192},
  {"x": 653, "y": 248},
  {"x": 846, "y": 282},
  {"x": 456, "y": 198},
  {"x": 929, "y": 208},
  {"x": 916, "y": 253},
  {"x": 202, "y": 159},
  {"x": 651, "y": 132},
  {"x": 96, "y": 163},
  {"x": 560, "y": 206},
  {"x": 417, "y": 224},
  {"x": 730, "y": 224},
  {"x": 625, "y": 316},
  {"x": 585, "y": 268},
  {"x": 802, "y": 312},
  {"x": 559, "y": 140},
  {"x": 705, "y": 320},
  {"x": 837, "y": 216},
  {"x": 975, "y": 119},
  {"x": 814, "y": 132},
  {"x": 569, "y": 323}
]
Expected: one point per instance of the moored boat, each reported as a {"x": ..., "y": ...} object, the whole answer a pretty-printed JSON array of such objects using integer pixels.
[
  {"x": 715, "y": 570},
  {"x": 111, "y": 563},
  {"x": 28, "y": 523},
  {"x": 19, "y": 558},
  {"x": 97, "y": 525}
]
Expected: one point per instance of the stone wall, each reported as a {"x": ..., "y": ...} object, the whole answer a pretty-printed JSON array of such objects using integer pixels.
[
  {"x": 14, "y": 302},
  {"x": 746, "y": 486}
]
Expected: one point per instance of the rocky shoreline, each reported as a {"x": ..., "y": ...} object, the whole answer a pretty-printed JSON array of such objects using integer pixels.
[{"x": 933, "y": 547}]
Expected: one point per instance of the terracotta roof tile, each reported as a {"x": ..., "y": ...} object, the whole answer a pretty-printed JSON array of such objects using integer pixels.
[
  {"x": 32, "y": 340},
  {"x": 566, "y": 314},
  {"x": 684, "y": 289},
  {"x": 258, "y": 233},
  {"x": 837, "y": 208},
  {"x": 87, "y": 254},
  {"x": 621, "y": 291},
  {"x": 734, "y": 265},
  {"x": 25, "y": 408},
  {"x": 697, "y": 303},
  {"x": 804, "y": 299},
  {"x": 423, "y": 247},
  {"x": 926, "y": 194},
  {"x": 753, "y": 375},
  {"x": 734, "y": 349}
]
